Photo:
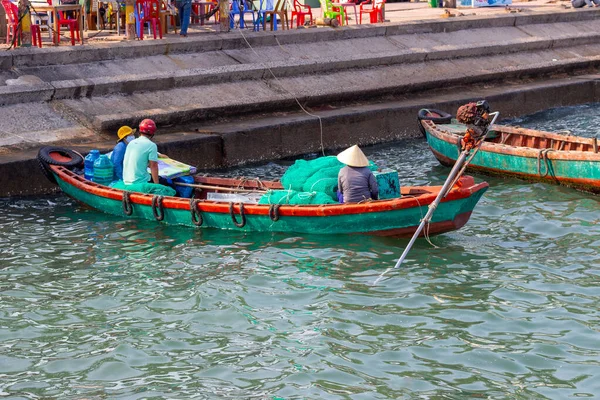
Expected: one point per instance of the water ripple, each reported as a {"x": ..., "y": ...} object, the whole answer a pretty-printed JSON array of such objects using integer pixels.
[{"x": 96, "y": 306}]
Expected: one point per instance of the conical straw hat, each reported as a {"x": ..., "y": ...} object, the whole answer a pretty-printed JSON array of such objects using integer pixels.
[{"x": 353, "y": 157}]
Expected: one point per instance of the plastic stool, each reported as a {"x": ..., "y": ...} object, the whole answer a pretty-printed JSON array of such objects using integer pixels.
[{"x": 36, "y": 35}]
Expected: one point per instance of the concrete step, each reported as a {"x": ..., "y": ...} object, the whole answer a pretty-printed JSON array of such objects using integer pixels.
[
  {"x": 162, "y": 72},
  {"x": 32, "y": 124},
  {"x": 267, "y": 137},
  {"x": 179, "y": 106}
]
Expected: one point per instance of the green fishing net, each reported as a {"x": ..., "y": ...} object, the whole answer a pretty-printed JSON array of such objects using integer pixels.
[
  {"x": 294, "y": 197},
  {"x": 312, "y": 182},
  {"x": 148, "y": 188}
]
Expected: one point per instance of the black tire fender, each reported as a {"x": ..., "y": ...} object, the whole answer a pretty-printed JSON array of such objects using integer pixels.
[
  {"x": 46, "y": 171},
  {"x": 431, "y": 114},
  {"x": 45, "y": 156}
]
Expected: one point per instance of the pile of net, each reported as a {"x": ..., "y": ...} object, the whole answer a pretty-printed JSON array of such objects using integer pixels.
[
  {"x": 148, "y": 188},
  {"x": 295, "y": 197},
  {"x": 309, "y": 182}
]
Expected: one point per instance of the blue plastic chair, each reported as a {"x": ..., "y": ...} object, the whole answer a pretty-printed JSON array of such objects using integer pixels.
[
  {"x": 235, "y": 10},
  {"x": 263, "y": 9},
  {"x": 275, "y": 12}
]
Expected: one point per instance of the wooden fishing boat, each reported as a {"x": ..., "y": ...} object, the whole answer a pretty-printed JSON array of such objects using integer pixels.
[
  {"x": 523, "y": 153},
  {"x": 397, "y": 217}
]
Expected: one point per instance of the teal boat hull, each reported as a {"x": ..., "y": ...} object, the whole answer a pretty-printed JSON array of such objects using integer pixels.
[
  {"x": 523, "y": 153},
  {"x": 394, "y": 217}
]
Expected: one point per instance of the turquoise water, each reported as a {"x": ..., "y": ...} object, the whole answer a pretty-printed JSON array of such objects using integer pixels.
[{"x": 99, "y": 307}]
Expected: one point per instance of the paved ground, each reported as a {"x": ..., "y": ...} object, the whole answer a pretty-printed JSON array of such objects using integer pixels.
[{"x": 394, "y": 12}]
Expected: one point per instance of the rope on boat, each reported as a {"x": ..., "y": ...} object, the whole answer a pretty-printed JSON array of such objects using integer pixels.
[
  {"x": 543, "y": 154},
  {"x": 157, "y": 209},
  {"x": 233, "y": 218},
  {"x": 458, "y": 168},
  {"x": 426, "y": 235},
  {"x": 127, "y": 206},
  {"x": 274, "y": 212},
  {"x": 196, "y": 214},
  {"x": 257, "y": 181}
]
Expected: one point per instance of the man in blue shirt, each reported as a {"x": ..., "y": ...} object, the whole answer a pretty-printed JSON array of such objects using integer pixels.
[
  {"x": 141, "y": 154},
  {"x": 125, "y": 135}
]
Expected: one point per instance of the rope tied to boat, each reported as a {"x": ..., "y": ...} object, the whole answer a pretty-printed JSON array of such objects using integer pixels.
[
  {"x": 468, "y": 141},
  {"x": 196, "y": 214},
  {"x": 127, "y": 206},
  {"x": 157, "y": 208},
  {"x": 274, "y": 212},
  {"x": 242, "y": 215},
  {"x": 243, "y": 180},
  {"x": 543, "y": 154}
]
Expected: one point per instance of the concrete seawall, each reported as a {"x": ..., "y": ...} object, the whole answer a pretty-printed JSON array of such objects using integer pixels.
[
  {"x": 219, "y": 103},
  {"x": 273, "y": 137}
]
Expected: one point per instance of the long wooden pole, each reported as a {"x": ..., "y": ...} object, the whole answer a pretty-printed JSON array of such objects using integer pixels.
[
  {"x": 457, "y": 170},
  {"x": 433, "y": 206},
  {"x": 455, "y": 173},
  {"x": 226, "y": 189}
]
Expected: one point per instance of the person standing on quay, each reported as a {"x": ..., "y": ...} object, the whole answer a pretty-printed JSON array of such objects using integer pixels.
[{"x": 184, "y": 8}]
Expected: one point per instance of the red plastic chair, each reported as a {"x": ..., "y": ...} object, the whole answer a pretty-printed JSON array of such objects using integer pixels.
[
  {"x": 12, "y": 14},
  {"x": 73, "y": 25},
  {"x": 149, "y": 11},
  {"x": 374, "y": 9},
  {"x": 299, "y": 13},
  {"x": 36, "y": 35}
]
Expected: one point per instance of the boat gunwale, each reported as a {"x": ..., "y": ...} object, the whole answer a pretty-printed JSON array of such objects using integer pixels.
[
  {"x": 521, "y": 151},
  {"x": 465, "y": 188}
]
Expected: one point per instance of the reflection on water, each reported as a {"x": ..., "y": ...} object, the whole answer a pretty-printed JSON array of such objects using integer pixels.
[{"x": 97, "y": 306}]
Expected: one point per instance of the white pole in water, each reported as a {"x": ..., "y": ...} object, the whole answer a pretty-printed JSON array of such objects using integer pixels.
[
  {"x": 457, "y": 170},
  {"x": 432, "y": 207}
]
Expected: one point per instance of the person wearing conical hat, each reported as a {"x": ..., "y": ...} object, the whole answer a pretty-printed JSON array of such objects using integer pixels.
[
  {"x": 125, "y": 135},
  {"x": 356, "y": 181}
]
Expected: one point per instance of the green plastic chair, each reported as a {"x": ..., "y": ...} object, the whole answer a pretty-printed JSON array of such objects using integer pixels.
[{"x": 330, "y": 11}]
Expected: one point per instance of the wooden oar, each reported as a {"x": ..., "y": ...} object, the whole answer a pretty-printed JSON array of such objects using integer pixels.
[
  {"x": 224, "y": 188},
  {"x": 457, "y": 170}
]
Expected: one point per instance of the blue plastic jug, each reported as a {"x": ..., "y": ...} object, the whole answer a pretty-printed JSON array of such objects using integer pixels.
[
  {"x": 103, "y": 170},
  {"x": 88, "y": 164},
  {"x": 184, "y": 191}
]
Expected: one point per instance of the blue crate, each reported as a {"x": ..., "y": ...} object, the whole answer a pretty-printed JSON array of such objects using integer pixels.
[{"x": 388, "y": 182}]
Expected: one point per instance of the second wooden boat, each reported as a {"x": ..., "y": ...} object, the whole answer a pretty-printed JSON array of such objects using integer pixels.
[{"x": 523, "y": 153}]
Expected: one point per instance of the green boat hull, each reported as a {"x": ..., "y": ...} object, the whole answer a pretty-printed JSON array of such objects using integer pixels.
[
  {"x": 579, "y": 169},
  {"x": 450, "y": 215}
]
